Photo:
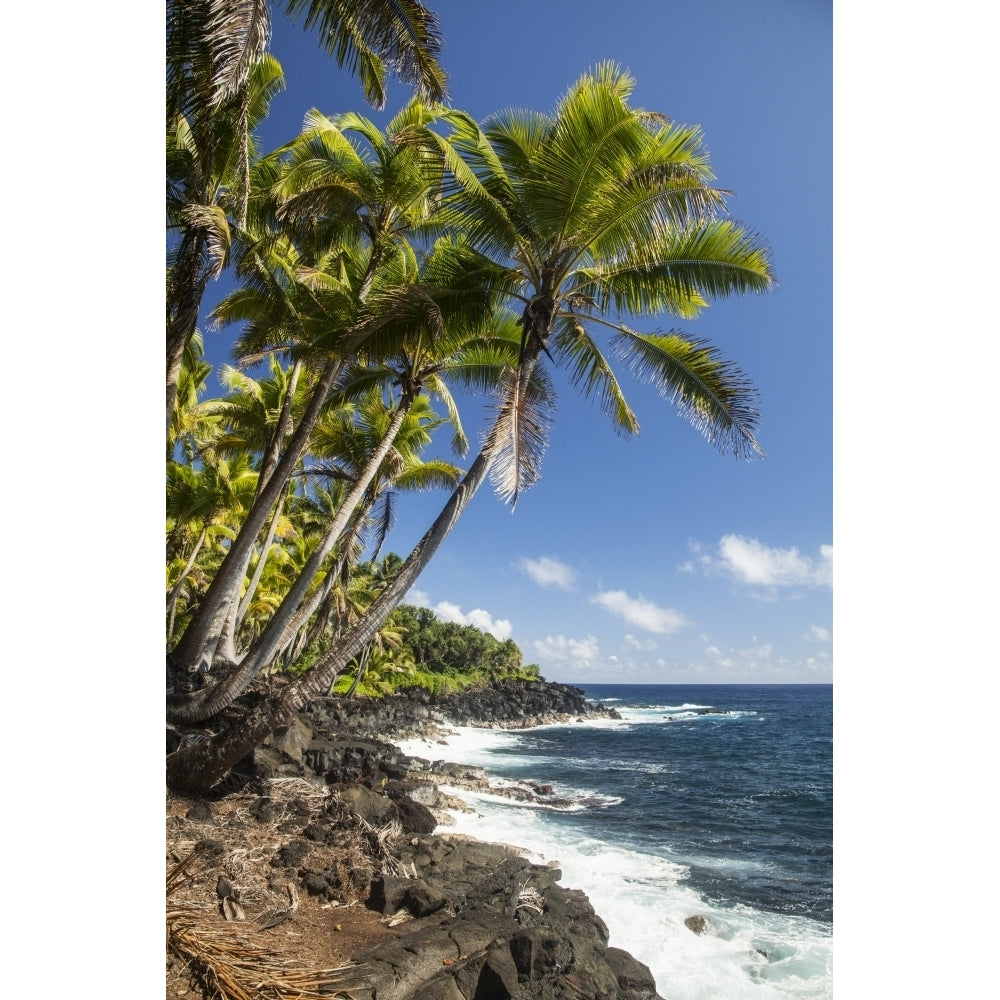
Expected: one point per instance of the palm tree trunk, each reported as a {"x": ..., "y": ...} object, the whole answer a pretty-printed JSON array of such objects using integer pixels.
[
  {"x": 212, "y": 700},
  {"x": 227, "y": 641},
  {"x": 296, "y": 636},
  {"x": 324, "y": 613},
  {"x": 282, "y": 429},
  {"x": 226, "y": 648},
  {"x": 362, "y": 667},
  {"x": 197, "y": 645},
  {"x": 265, "y": 550},
  {"x": 175, "y": 592}
]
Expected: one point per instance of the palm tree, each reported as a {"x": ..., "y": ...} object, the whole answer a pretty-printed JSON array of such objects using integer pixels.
[
  {"x": 584, "y": 219},
  {"x": 587, "y": 218},
  {"x": 203, "y": 501},
  {"x": 382, "y": 442},
  {"x": 209, "y": 148},
  {"x": 219, "y": 82},
  {"x": 349, "y": 197}
]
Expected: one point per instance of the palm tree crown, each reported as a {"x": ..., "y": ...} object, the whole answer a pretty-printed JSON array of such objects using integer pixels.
[{"x": 588, "y": 218}]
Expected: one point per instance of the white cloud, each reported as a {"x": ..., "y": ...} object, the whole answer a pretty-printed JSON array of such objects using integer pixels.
[
  {"x": 749, "y": 561},
  {"x": 646, "y": 645},
  {"x": 548, "y": 572},
  {"x": 640, "y": 612},
  {"x": 567, "y": 652},
  {"x": 818, "y": 633},
  {"x": 499, "y": 628},
  {"x": 758, "y": 663}
]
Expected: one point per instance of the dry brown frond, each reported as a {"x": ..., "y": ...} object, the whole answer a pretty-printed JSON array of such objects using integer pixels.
[{"x": 229, "y": 967}]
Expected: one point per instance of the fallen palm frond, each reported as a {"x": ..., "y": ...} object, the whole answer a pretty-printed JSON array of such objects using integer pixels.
[
  {"x": 182, "y": 871},
  {"x": 279, "y": 915},
  {"x": 228, "y": 967},
  {"x": 530, "y": 898},
  {"x": 381, "y": 844}
]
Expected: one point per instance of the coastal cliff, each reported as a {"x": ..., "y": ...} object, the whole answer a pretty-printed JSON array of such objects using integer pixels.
[{"x": 340, "y": 824}]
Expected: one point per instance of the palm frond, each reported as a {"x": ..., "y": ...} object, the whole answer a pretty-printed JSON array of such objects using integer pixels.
[
  {"x": 435, "y": 473},
  {"x": 711, "y": 393},
  {"x": 238, "y": 34},
  {"x": 459, "y": 440},
  {"x": 520, "y": 434},
  {"x": 212, "y": 222},
  {"x": 382, "y": 520},
  {"x": 366, "y": 38},
  {"x": 682, "y": 269},
  {"x": 590, "y": 372}
]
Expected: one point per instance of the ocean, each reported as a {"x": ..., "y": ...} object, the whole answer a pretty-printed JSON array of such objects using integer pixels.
[{"x": 703, "y": 800}]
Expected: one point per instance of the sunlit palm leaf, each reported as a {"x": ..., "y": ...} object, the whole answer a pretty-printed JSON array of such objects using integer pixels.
[
  {"x": 590, "y": 372},
  {"x": 682, "y": 270},
  {"x": 712, "y": 393},
  {"x": 402, "y": 34}
]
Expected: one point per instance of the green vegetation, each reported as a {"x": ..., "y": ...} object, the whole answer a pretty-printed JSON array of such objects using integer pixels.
[
  {"x": 376, "y": 272},
  {"x": 440, "y": 657}
]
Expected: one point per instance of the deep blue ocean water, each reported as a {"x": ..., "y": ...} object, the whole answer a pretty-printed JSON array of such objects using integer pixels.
[
  {"x": 743, "y": 799},
  {"x": 712, "y": 800}
]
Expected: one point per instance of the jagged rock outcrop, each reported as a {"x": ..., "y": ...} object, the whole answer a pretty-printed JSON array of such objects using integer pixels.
[
  {"x": 490, "y": 925},
  {"x": 503, "y": 704},
  {"x": 470, "y": 920}
]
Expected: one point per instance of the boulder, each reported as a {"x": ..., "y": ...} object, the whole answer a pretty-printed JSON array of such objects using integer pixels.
[
  {"x": 635, "y": 981},
  {"x": 374, "y": 809}
]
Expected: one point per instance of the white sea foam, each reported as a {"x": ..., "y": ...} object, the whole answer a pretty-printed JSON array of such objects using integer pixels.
[
  {"x": 644, "y": 899},
  {"x": 662, "y": 714}
]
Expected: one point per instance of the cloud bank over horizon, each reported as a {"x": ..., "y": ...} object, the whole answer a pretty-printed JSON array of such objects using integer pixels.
[
  {"x": 448, "y": 611},
  {"x": 558, "y": 650}
]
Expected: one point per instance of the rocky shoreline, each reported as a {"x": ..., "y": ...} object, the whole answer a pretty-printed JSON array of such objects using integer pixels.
[{"x": 445, "y": 917}]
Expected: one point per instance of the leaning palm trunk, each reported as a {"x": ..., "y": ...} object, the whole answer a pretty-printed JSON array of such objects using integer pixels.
[
  {"x": 197, "y": 646},
  {"x": 297, "y": 635},
  {"x": 226, "y": 648},
  {"x": 265, "y": 550},
  {"x": 363, "y": 661},
  {"x": 282, "y": 624},
  {"x": 300, "y": 633},
  {"x": 199, "y": 767}
]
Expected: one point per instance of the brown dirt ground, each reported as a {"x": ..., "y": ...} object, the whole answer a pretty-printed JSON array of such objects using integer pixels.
[{"x": 318, "y": 936}]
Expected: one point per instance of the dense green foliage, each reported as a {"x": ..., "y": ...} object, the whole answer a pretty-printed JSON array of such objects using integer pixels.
[{"x": 440, "y": 657}]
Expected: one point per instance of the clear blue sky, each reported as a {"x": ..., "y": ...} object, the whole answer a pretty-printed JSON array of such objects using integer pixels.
[{"x": 656, "y": 559}]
